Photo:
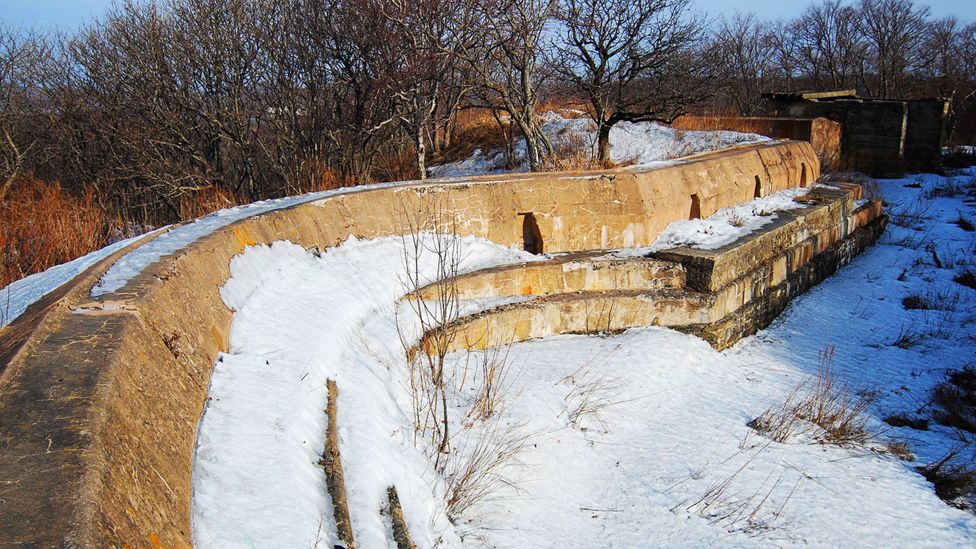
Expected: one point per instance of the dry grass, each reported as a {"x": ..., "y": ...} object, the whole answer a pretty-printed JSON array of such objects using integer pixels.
[
  {"x": 954, "y": 479},
  {"x": 947, "y": 189},
  {"x": 477, "y": 468},
  {"x": 591, "y": 393},
  {"x": 476, "y": 129},
  {"x": 964, "y": 223},
  {"x": 494, "y": 383},
  {"x": 933, "y": 300},
  {"x": 828, "y": 411},
  {"x": 955, "y": 400},
  {"x": 967, "y": 279},
  {"x": 574, "y": 152},
  {"x": 913, "y": 215},
  {"x": 206, "y": 201},
  {"x": 41, "y": 225},
  {"x": 754, "y": 512}
]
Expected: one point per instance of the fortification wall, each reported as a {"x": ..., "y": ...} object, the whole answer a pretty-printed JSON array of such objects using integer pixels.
[
  {"x": 874, "y": 131},
  {"x": 98, "y": 411},
  {"x": 825, "y": 135}
]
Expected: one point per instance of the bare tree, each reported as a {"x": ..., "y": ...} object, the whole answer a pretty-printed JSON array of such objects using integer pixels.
[
  {"x": 747, "y": 53},
  {"x": 632, "y": 60},
  {"x": 893, "y": 30},
  {"x": 22, "y": 57},
  {"x": 830, "y": 46},
  {"x": 506, "y": 59},
  {"x": 425, "y": 46}
]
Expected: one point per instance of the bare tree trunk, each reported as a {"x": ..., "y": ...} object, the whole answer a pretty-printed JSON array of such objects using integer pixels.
[{"x": 603, "y": 145}]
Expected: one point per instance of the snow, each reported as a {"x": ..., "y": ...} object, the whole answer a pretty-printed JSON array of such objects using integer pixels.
[
  {"x": 22, "y": 293},
  {"x": 262, "y": 432},
  {"x": 641, "y": 145},
  {"x": 724, "y": 226},
  {"x": 661, "y": 451}
]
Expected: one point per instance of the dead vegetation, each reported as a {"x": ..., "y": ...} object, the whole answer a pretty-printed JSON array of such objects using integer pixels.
[
  {"x": 913, "y": 215},
  {"x": 431, "y": 238},
  {"x": 933, "y": 300},
  {"x": 954, "y": 479},
  {"x": 954, "y": 400},
  {"x": 751, "y": 511},
  {"x": 823, "y": 408},
  {"x": 41, "y": 225},
  {"x": 476, "y": 469}
]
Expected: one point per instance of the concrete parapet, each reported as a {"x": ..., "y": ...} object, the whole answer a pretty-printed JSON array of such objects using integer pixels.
[
  {"x": 720, "y": 289},
  {"x": 825, "y": 135},
  {"x": 98, "y": 411}
]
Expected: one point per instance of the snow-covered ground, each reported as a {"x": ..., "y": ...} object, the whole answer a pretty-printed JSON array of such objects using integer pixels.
[
  {"x": 639, "y": 144},
  {"x": 624, "y": 441}
]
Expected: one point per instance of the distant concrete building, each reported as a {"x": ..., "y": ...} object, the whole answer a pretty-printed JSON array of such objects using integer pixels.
[{"x": 881, "y": 137}]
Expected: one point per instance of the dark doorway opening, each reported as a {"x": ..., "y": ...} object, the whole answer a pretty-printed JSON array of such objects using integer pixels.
[
  {"x": 531, "y": 235},
  {"x": 695, "y": 208},
  {"x": 803, "y": 174}
]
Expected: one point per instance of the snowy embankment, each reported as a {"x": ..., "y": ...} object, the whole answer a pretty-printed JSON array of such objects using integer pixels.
[
  {"x": 622, "y": 439},
  {"x": 641, "y": 144}
]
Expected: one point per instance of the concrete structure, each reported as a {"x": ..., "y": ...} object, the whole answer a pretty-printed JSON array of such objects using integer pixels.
[
  {"x": 825, "y": 135},
  {"x": 720, "y": 295},
  {"x": 881, "y": 137},
  {"x": 100, "y": 398}
]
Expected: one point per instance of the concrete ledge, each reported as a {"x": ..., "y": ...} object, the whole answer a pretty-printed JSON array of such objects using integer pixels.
[
  {"x": 590, "y": 271},
  {"x": 98, "y": 422},
  {"x": 731, "y": 292}
]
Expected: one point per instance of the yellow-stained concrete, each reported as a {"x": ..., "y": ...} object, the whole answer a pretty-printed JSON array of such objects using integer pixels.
[
  {"x": 105, "y": 404},
  {"x": 720, "y": 282}
]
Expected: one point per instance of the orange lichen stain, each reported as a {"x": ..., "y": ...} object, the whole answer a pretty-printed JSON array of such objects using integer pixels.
[
  {"x": 244, "y": 238},
  {"x": 527, "y": 289},
  {"x": 154, "y": 540}
]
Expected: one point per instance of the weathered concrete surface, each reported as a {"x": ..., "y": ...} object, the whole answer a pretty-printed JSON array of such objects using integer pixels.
[
  {"x": 825, "y": 135},
  {"x": 580, "y": 272},
  {"x": 98, "y": 415},
  {"x": 729, "y": 292},
  {"x": 881, "y": 137}
]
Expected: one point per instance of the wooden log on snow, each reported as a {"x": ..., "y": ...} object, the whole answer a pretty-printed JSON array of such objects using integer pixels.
[
  {"x": 400, "y": 533},
  {"x": 334, "y": 478}
]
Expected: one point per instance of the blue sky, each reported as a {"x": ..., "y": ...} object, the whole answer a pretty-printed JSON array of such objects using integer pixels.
[{"x": 69, "y": 14}]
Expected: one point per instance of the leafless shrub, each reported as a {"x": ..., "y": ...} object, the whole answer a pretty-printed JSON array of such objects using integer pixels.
[
  {"x": 954, "y": 479},
  {"x": 494, "y": 383},
  {"x": 477, "y": 468},
  {"x": 828, "y": 411},
  {"x": 427, "y": 238}
]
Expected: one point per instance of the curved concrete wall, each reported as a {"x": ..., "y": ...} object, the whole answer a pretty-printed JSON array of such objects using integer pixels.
[{"x": 98, "y": 413}]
